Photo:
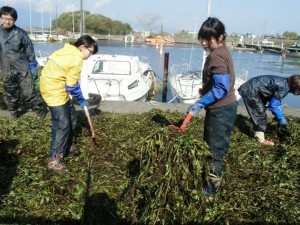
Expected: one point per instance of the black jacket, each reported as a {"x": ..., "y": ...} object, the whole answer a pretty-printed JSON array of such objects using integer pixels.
[
  {"x": 16, "y": 50},
  {"x": 266, "y": 87}
]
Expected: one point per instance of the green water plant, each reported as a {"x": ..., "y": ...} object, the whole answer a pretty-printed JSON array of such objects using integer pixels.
[{"x": 140, "y": 172}]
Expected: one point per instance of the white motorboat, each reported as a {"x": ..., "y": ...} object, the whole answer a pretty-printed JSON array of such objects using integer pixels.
[
  {"x": 115, "y": 77},
  {"x": 185, "y": 83},
  {"x": 118, "y": 78}
]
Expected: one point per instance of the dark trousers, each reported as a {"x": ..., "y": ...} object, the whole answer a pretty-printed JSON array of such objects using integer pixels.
[
  {"x": 64, "y": 120},
  {"x": 217, "y": 130},
  {"x": 17, "y": 86},
  {"x": 257, "y": 110},
  {"x": 256, "y": 107}
]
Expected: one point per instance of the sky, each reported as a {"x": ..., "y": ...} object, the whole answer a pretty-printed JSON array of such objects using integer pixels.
[{"x": 259, "y": 17}]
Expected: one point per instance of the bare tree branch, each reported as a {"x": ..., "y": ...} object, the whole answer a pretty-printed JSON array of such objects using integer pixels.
[{"x": 149, "y": 22}]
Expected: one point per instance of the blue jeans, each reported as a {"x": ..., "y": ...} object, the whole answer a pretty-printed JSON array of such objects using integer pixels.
[
  {"x": 217, "y": 130},
  {"x": 64, "y": 120}
]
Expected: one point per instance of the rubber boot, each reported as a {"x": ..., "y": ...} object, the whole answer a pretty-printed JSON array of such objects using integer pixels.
[
  {"x": 260, "y": 136},
  {"x": 73, "y": 150},
  {"x": 41, "y": 112},
  {"x": 251, "y": 131},
  {"x": 14, "y": 115}
]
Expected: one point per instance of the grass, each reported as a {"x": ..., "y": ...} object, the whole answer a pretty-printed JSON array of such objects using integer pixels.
[{"x": 140, "y": 172}]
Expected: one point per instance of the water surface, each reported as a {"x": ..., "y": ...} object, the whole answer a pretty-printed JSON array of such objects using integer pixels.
[{"x": 255, "y": 63}]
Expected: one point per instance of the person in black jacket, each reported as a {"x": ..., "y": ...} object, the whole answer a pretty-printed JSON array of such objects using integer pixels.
[
  {"x": 18, "y": 66},
  {"x": 265, "y": 92}
]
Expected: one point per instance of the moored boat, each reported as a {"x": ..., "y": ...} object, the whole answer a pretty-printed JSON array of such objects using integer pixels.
[
  {"x": 292, "y": 52},
  {"x": 129, "y": 38},
  {"x": 185, "y": 83},
  {"x": 285, "y": 52},
  {"x": 115, "y": 77},
  {"x": 118, "y": 78},
  {"x": 158, "y": 40},
  {"x": 296, "y": 45}
]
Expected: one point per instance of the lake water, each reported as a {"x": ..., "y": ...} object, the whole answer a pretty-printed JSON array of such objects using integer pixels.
[{"x": 255, "y": 63}]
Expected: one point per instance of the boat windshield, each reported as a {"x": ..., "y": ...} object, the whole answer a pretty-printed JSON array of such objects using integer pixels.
[{"x": 112, "y": 67}]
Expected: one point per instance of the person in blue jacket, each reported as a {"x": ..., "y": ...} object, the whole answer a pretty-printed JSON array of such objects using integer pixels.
[
  {"x": 18, "y": 66},
  {"x": 218, "y": 98},
  {"x": 265, "y": 92}
]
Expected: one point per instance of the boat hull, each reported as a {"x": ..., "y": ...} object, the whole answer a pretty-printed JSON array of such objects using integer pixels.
[
  {"x": 117, "y": 78},
  {"x": 185, "y": 84}
]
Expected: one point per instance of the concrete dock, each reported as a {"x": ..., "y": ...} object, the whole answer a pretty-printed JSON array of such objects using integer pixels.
[{"x": 143, "y": 107}]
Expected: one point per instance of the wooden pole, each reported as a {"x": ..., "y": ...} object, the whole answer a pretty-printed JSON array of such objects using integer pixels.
[{"x": 165, "y": 79}]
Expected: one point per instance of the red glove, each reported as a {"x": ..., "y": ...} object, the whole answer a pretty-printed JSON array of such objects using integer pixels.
[{"x": 186, "y": 121}]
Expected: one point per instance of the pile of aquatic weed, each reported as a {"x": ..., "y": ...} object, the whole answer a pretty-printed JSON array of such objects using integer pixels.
[{"x": 140, "y": 172}]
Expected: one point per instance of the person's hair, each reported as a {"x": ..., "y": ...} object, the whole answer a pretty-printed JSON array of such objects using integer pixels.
[
  {"x": 87, "y": 41},
  {"x": 212, "y": 28},
  {"x": 294, "y": 83},
  {"x": 6, "y": 10}
]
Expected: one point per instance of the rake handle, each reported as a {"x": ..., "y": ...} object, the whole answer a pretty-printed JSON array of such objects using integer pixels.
[{"x": 87, "y": 114}]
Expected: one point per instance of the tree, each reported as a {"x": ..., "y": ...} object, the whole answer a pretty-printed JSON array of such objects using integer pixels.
[
  {"x": 149, "y": 22},
  {"x": 290, "y": 35},
  {"x": 94, "y": 23}
]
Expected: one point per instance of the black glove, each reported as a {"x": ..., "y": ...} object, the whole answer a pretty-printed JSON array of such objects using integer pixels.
[
  {"x": 283, "y": 126},
  {"x": 283, "y": 133}
]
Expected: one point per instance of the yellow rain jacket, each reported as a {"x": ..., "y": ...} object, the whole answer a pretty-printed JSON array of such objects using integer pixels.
[{"x": 62, "y": 68}]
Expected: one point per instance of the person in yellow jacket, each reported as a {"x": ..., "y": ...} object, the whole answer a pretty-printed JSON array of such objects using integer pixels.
[{"x": 59, "y": 80}]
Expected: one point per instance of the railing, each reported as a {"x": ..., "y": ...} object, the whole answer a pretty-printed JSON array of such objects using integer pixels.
[
  {"x": 42, "y": 58},
  {"x": 109, "y": 83},
  {"x": 243, "y": 74},
  {"x": 180, "y": 69}
]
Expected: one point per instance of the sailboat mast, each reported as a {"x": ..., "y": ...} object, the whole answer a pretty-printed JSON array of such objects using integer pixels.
[
  {"x": 73, "y": 19},
  {"x": 30, "y": 27},
  {"x": 208, "y": 8},
  {"x": 81, "y": 18},
  {"x": 50, "y": 18},
  {"x": 83, "y": 22},
  {"x": 207, "y": 15},
  {"x": 42, "y": 17}
]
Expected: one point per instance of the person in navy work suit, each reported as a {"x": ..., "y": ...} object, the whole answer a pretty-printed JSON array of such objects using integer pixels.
[
  {"x": 266, "y": 92},
  {"x": 18, "y": 66}
]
